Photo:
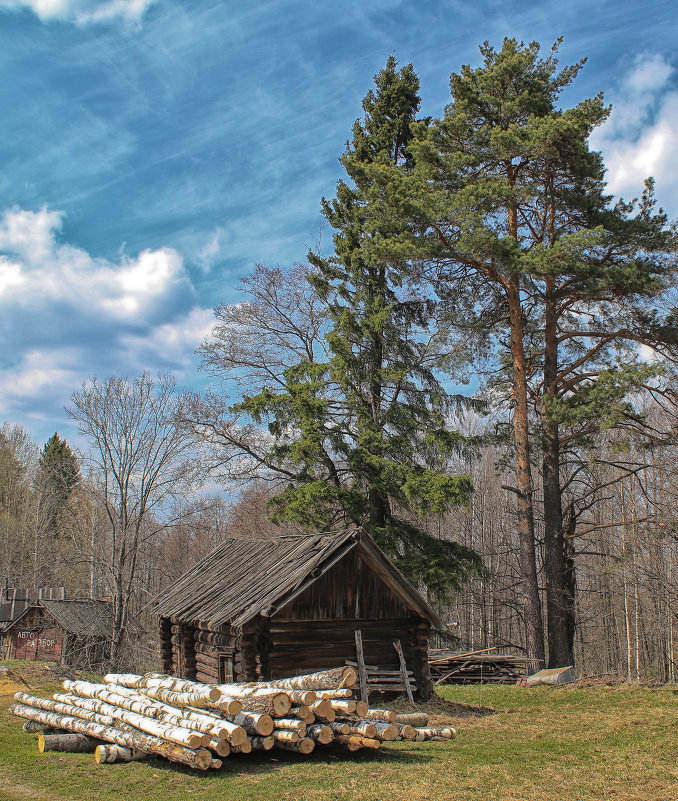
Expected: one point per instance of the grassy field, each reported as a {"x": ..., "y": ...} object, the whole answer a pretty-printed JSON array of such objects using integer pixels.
[{"x": 562, "y": 744}]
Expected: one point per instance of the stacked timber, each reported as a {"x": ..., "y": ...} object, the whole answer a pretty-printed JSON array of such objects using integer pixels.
[
  {"x": 475, "y": 667},
  {"x": 130, "y": 717}
]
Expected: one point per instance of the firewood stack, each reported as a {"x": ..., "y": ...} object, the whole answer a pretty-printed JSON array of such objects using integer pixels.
[{"x": 130, "y": 717}]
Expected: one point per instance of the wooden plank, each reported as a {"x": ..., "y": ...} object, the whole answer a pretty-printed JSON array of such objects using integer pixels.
[
  {"x": 362, "y": 672},
  {"x": 403, "y": 670}
]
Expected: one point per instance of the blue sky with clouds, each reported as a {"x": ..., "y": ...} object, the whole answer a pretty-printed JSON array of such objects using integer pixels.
[{"x": 153, "y": 150}]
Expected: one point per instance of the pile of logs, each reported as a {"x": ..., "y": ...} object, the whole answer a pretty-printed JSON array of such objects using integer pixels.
[
  {"x": 130, "y": 717},
  {"x": 476, "y": 667}
]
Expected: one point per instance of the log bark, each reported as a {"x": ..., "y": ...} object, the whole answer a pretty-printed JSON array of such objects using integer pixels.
[
  {"x": 417, "y": 719},
  {"x": 363, "y": 728},
  {"x": 386, "y": 731},
  {"x": 444, "y": 733},
  {"x": 336, "y": 678},
  {"x": 382, "y": 715},
  {"x": 321, "y": 732},
  {"x": 354, "y": 742},
  {"x": 71, "y": 743},
  {"x": 290, "y": 724},
  {"x": 303, "y": 746},
  {"x": 105, "y": 754},
  {"x": 254, "y": 723},
  {"x": 261, "y": 743},
  {"x": 304, "y": 713},
  {"x": 198, "y": 758},
  {"x": 280, "y": 736}
]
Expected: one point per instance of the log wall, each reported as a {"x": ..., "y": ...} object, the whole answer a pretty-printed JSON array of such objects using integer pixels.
[{"x": 312, "y": 632}]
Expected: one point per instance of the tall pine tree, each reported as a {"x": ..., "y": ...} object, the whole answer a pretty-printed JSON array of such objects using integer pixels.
[{"x": 511, "y": 205}]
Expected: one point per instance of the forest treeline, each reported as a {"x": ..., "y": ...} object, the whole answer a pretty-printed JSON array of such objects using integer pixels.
[{"x": 478, "y": 249}]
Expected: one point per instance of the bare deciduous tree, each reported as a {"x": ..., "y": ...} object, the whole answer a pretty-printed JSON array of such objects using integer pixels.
[{"x": 139, "y": 462}]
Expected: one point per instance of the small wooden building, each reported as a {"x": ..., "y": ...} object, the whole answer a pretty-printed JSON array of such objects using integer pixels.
[
  {"x": 257, "y": 609},
  {"x": 75, "y": 633}
]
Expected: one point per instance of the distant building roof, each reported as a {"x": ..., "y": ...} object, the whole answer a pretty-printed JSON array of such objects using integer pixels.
[
  {"x": 243, "y": 578},
  {"x": 13, "y": 600},
  {"x": 88, "y": 618}
]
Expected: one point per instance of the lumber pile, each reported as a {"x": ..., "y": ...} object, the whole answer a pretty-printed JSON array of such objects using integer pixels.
[
  {"x": 129, "y": 717},
  {"x": 476, "y": 667}
]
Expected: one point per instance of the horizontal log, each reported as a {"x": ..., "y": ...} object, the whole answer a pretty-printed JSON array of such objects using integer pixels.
[
  {"x": 243, "y": 748},
  {"x": 108, "y": 753},
  {"x": 416, "y": 719},
  {"x": 303, "y": 746},
  {"x": 290, "y": 724},
  {"x": 200, "y": 758},
  {"x": 262, "y": 743},
  {"x": 363, "y": 728},
  {"x": 383, "y": 715},
  {"x": 354, "y": 742},
  {"x": 386, "y": 731},
  {"x": 303, "y": 712},
  {"x": 220, "y": 747},
  {"x": 254, "y": 723},
  {"x": 285, "y": 736},
  {"x": 71, "y": 743},
  {"x": 321, "y": 732},
  {"x": 326, "y": 679}
]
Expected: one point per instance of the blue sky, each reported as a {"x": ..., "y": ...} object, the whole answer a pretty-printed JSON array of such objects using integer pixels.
[{"x": 153, "y": 150}]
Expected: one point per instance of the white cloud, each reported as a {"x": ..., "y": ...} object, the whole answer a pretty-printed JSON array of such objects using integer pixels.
[
  {"x": 65, "y": 314},
  {"x": 82, "y": 12},
  {"x": 640, "y": 139}
]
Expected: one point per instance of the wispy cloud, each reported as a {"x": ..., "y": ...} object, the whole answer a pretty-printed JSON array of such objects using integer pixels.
[
  {"x": 82, "y": 12},
  {"x": 66, "y": 314},
  {"x": 640, "y": 139}
]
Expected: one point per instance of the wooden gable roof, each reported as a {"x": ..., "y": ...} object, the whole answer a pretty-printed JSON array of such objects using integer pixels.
[
  {"x": 243, "y": 578},
  {"x": 86, "y": 618}
]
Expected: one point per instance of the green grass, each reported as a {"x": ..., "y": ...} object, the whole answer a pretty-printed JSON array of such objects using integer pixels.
[{"x": 564, "y": 744}]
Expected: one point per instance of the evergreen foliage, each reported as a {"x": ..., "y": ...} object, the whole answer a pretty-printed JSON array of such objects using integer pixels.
[
  {"x": 512, "y": 208},
  {"x": 58, "y": 474},
  {"x": 363, "y": 431}
]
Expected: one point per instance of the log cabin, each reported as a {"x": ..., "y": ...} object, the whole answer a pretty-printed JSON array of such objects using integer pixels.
[{"x": 260, "y": 609}]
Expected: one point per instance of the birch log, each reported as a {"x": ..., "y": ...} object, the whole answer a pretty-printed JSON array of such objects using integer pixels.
[
  {"x": 70, "y": 742},
  {"x": 383, "y": 715},
  {"x": 386, "y": 731},
  {"x": 285, "y": 736},
  {"x": 180, "y": 735},
  {"x": 416, "y": 719},
  {"x": 261, "y": 743},
  {"x": 253, "y": 723},
  {"x": 343, "y": 707},
  {"x": 336, "y": 678},
  {"x": 303, "y": 746},
  {"x": 105, "y": 754},
  {"x": 339, "y": 694},
  {"x": 199, "y": 758},
  {"x": 323, "y": 710},
  {"x": 354, "y": 742},
  {"x": 290, "y": 724},
  {"x": 304, "y": 713},
  {"x": 321, "y": 732},
  {"x": 363, "y": 728}
]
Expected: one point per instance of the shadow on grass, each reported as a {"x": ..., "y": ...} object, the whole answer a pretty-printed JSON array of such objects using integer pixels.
[{"x": 268, "y": 762}]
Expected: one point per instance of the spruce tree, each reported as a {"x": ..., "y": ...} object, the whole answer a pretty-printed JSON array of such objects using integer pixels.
[
  {"x": 58, "y": 474},
  {"x": 365, "y": 429}
]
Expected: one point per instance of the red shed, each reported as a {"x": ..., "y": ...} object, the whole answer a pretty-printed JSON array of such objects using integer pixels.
[{"x": 72, "y": 632}]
